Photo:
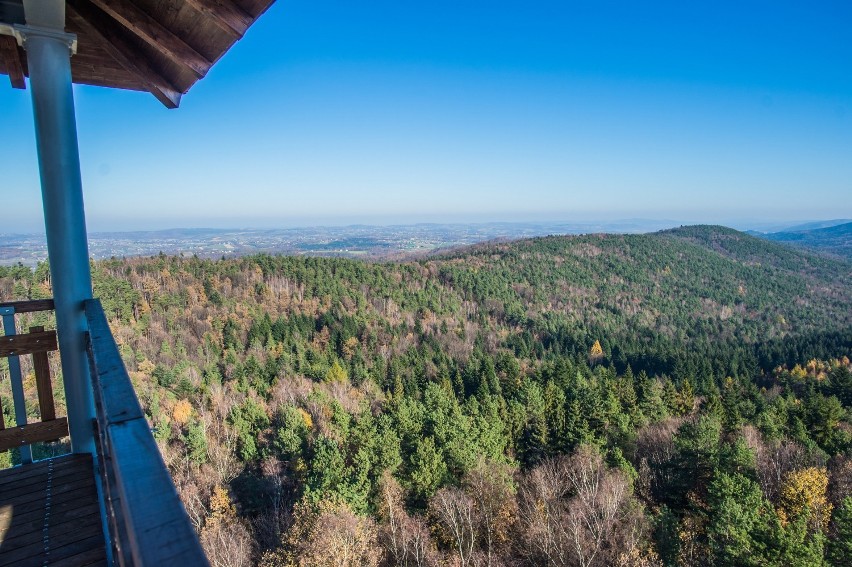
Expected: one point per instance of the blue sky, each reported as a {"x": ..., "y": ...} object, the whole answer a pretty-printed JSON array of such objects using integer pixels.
[{"x": 389, "y": 112}]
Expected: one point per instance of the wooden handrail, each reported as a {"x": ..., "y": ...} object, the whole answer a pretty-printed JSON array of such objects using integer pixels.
[
  {"x": 29, "y": 306},
  {"x": 148, "y": 523}
]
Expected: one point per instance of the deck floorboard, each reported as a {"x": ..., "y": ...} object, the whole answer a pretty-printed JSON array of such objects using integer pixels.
[{"x": 49, "y": 514}]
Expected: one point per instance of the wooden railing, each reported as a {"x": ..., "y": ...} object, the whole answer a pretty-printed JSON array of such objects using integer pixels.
[
  {"x": 36, "y": 343},
  {"x": 147, "y": 521}
]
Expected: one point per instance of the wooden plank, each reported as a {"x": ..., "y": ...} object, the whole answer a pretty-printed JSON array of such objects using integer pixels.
[
  {"x": 19, "y": 345},
  {"x": 27, "y": 484},
  {"x": 33, "y": 433},
  {"x": 76, "y": 492},
  {"x": 226, "y": 14},
  {"x": 68, "y": 509},
  {"x": 29, "y": 306},
  {"x": 94, "y": 556},
  {"x": 73, "y": 527},
  {"x": 12, "y": 60},
  {"x": 100, "y": 28},
  {"x": 41, "y": 367},
  {"x": 75, "y": 488},
  {"x": 57, "y": 538},
  {"x": 141, "y": 24},
  {"x": 68, "y": 503},
  {"x": 34, "y": 555},
  {"x": 71, "y": 460},
  {"x": 56, "y": 527}
]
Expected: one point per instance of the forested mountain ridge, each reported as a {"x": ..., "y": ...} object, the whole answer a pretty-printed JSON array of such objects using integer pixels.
[
  {"x": 447, "y": 410},
  {"x": 836, "y": 239},
  {"x": 683, "y": 286}
]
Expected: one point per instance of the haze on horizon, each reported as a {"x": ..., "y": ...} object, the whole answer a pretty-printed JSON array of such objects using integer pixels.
[{"x": 390, "y": 113}]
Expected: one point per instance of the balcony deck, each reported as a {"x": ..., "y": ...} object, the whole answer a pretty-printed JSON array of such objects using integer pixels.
[{"x": 49, "y": 514}]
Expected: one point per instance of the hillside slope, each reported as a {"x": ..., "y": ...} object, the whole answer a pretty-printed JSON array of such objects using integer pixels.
[
  {"x": 835, "y": 240},
  {"x": 688, "y": 284},
  {"x": 693, "y": 291}
]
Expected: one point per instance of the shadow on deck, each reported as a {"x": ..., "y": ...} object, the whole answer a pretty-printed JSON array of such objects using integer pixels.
[{"x": 49, "y": 514}]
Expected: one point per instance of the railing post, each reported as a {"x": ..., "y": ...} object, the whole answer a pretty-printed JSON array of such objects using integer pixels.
[
  {"x": 20, "y": 404},
  {"x": 49, "y": 51}
]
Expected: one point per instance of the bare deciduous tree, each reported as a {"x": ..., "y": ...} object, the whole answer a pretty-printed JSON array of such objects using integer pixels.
[
  {"x": 490, "y": 486},
  {"x": 774, "y": 462},
  {"x": 333, "y": 536},
  {"x": 840, "y": 469},
  {"x": 655, "y": 444},
  {"x": 225, "y": 538},
  {"x": 405, "y": 538},
  {"x": 221, "y": 437},
  {"x": 573, "y": 511},
  {"x": 453, "y": 511}
]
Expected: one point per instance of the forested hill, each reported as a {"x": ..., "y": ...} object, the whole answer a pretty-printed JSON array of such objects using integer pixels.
[
  {"x": 652, "y": 300},
  {"x": 695, "y": 286},
  {"x": 835, "y": 239},
  {"x": 446, "y": 411}
]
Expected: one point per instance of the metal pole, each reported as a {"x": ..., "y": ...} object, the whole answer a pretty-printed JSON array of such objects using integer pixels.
[
  {"x": 49, "y": 62},
  {"x": 10, "y": 328}
]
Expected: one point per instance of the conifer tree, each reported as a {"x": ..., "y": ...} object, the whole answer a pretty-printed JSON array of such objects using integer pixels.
[{"x": 840, "y": 544}]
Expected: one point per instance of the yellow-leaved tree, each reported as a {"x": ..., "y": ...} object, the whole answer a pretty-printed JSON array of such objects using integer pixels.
[
  {"x": 596, "y": 353},
  {"x": 182, "y": 412},
  {"x": 225, "y": 538},
  {"x": 804, "y": 492},
  {"x": 336, "y": 373}
]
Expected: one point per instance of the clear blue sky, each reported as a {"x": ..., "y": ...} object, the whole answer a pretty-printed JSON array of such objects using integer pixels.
[{"x": 384, "y": 112}]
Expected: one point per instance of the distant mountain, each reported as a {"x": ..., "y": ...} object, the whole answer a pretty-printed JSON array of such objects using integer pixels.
[
  {"x": 835, "y": 239},
  {"x": 815, "y": 225}
]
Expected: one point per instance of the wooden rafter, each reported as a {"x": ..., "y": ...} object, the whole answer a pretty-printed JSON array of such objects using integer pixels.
[
  {"x": 227, "y": 15},
  {"x": 140, "y": 23},
  {"x": 12, "y": 60},
  {"x": 102, "y": 29}
]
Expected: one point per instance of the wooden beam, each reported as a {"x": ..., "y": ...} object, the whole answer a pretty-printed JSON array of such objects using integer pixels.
[
  {"x": 41, "y": 367},
  {"x": 33, "y": 433},
  {"x": 228, "y": 15},
  {"x": 12, "y": 61},
  {"x": 19, "y": 345},
  {"x": 100, "y": 28},
  {"x": 29, "y": 306},
  {"x": 155, "y": 34}
]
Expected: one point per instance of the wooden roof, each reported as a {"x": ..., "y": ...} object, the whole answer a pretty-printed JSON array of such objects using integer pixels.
[{"x": 159, "y": 46}]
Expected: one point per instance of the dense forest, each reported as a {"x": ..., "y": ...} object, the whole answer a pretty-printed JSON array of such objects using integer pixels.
[{"x": 678, "y": 398}]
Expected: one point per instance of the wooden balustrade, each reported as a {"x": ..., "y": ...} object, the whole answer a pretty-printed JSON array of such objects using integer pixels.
[{"x": 36, "y": 343}]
